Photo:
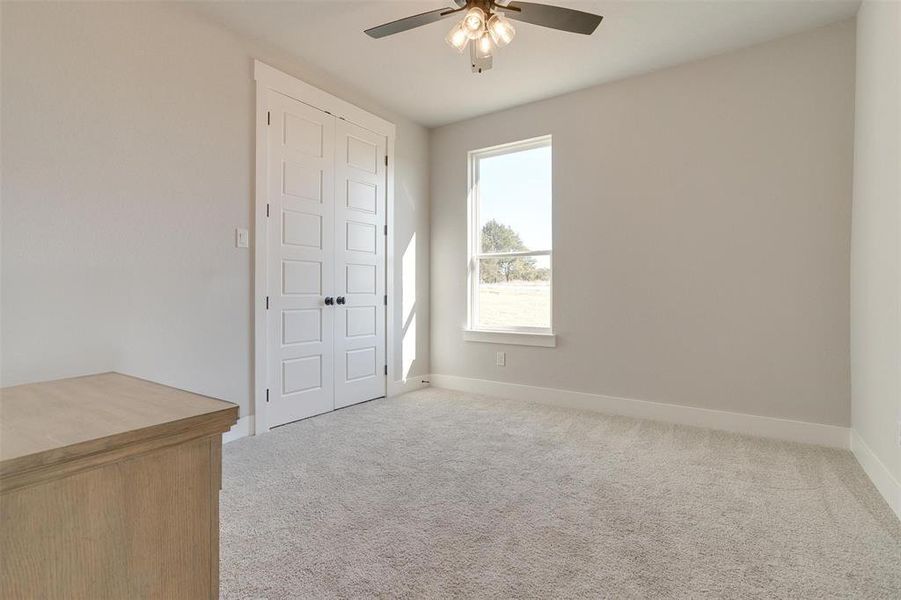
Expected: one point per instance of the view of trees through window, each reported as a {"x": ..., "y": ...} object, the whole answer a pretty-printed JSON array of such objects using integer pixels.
[
  {"x": 497, "y": 237},
  {"x": 512, "y": 217}
]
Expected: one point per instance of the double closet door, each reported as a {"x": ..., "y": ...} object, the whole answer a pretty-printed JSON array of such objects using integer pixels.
[{"x": 326, "y": 267}]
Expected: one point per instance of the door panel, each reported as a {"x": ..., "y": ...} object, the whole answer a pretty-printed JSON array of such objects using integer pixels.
[
  {"x": 326, "y": 238},
  {"x": 301, "y": 260},
  {"x": 360, "y": 264}
]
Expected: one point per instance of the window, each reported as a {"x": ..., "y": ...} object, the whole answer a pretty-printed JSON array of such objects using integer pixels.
[{"x": 510, "y": 240}]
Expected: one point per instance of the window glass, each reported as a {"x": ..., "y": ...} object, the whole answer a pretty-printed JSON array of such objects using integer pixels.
[
  {"x": 515, "y": 200},
  {"x": 511, "y": 234},
  {"x": 514, "y": 292}
]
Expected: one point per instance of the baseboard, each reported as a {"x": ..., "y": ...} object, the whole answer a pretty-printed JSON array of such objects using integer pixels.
[
  {"x": 413, "y": 383},
  {"x": 242, "y": 428},
  {"x": 770, "y": 427},
  {"x": 882, "y": 478}
]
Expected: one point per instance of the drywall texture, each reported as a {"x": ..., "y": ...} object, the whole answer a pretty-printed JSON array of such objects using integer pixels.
[
  {"x": 876, "y": 234},
  {"x": 128, "y": 157},
  {"x": 701, "y": 234}
]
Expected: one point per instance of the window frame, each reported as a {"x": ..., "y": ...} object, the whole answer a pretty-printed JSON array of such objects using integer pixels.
[{"x": 520, "y": 334}]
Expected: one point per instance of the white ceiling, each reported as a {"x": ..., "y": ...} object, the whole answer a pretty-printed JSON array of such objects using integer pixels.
[{"x": 417, "y": 75}]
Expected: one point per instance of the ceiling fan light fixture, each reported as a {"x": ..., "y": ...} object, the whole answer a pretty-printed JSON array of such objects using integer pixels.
[
  {"x": 484, "y": 46},
  {"x": 474, "y": 22},
  {"x": 485, "y": 23},
  {"x": 458, "y": 37},
  {"x": 501, "y": 30}
]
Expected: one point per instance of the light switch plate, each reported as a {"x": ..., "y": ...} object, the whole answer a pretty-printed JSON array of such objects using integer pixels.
[
  {"x": 242, "y": 239},
  {"x": 501, "y": 359}
]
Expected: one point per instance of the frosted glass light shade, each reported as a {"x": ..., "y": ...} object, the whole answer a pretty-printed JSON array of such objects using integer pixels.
[
  {"x": 501, "y": 30},
  {"x": 474, "y": 22},
  {"x": 484, "y": 46},
  {"x": 458, "y": 37}
]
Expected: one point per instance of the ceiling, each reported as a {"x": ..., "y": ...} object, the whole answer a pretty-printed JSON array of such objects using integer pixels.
[{"x": 417, "y": 75}]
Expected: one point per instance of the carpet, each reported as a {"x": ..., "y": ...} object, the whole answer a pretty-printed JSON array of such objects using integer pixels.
[{"x": 440, "y": 494}]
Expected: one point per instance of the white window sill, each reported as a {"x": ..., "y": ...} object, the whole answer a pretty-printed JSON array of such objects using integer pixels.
[{"x": 517, "y": 338}]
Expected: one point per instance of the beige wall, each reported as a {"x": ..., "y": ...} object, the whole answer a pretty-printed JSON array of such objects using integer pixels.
[
  {"x": 128, "y": 158},
  {"x": 701, "y": 223},
  {"x": 876, "y": 235}
]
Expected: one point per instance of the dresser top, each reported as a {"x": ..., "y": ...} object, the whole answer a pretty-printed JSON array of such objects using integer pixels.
[{"x": 56, "y": 421}]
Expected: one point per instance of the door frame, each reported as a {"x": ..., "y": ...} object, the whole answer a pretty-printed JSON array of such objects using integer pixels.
[{"x": 269, "y": 78}]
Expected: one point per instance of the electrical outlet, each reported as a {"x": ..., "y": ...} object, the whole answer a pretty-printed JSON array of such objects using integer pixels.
[{"x": 501, "y": 359}]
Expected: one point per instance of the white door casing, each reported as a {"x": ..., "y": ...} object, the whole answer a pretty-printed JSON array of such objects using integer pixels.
[
  {"x": 266, "y": 354},
  {"x": 360, "y": 367},
  {"x": 301, "y": 261}
]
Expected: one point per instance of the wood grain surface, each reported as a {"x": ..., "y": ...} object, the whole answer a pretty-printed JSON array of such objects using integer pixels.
[{"x": 115, "y": 496}]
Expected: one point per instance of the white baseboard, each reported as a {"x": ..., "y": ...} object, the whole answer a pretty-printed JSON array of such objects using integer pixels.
[
  {"x": 770, "y": 427},
  {"x": 414, "y": 382},
  {"x": 885, "y": 482},
  {"x": 242, "y": 428}
]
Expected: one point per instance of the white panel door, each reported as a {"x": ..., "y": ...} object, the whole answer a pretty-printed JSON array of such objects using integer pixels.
[
  {"x": 359, "y": 265},
  {"x": 301, "y": 260}
]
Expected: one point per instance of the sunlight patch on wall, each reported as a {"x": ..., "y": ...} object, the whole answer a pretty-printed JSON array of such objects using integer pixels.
[{"x": 408, "y": 308}]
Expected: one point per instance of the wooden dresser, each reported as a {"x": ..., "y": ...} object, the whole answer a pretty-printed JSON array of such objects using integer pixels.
[{"x": 109, "y": 488}]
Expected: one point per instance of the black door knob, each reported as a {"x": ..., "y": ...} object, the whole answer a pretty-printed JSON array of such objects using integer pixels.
[
  {"x": 340, "y": 300},
  {"x": 329, "y": 300}
]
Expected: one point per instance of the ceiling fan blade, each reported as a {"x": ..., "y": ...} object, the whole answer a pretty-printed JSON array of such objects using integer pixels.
[
  {"x": 555, "y": 17},
  {"x": 409, "y": 23}
]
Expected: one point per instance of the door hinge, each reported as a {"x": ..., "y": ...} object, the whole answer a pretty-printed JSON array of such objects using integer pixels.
[
  {"x": 268, "y": 118},
  {"x": 267, "y": 302},
  {"x": 386, "y": 299},
  {"x": 386, "y": 230},
  {"x": 386, "y": 160},
  {"x": 267, "y": 394},
  {"x": 267, "y": 209},
  {"x": 386, "y": 369}
]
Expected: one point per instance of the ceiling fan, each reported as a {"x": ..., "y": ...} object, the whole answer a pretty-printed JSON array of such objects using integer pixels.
[{"x": 485, "y": 23}]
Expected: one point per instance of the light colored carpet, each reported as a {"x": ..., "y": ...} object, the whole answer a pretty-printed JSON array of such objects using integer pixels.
[{"x": 440, "y": 494}]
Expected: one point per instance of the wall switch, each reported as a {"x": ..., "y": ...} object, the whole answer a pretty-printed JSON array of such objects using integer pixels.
[
  {"x": 242, "y": 238},
  {"x": 501, "y": 359}
]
